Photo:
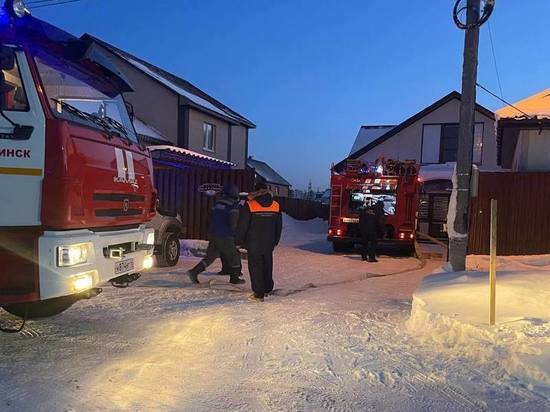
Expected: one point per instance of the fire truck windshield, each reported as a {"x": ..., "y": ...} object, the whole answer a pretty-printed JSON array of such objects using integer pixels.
[
  {"x": 370, "y": 195},
  {"x": 65, "y": 82}
]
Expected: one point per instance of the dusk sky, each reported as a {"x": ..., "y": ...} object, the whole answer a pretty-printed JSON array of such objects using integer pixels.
[{"x": 309, "y": 73}]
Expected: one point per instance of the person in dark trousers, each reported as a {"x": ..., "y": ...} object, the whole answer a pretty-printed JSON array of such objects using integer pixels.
[
  {"x": 371, "y": 225},
  {"x": 259, "y": 231},
  {"x": 222, "y": 223}
]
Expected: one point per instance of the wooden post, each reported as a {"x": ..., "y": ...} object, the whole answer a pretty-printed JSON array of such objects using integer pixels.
[{"x": 493, "y": 261}]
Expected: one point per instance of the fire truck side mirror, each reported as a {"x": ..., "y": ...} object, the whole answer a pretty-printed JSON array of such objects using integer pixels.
[
  {"x": 130, "y": 109},
  {"x": 7, "y": 58}
]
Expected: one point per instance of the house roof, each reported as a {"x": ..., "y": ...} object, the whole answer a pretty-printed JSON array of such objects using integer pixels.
[
  {"x": 267, "y": 172},
  {"x": 143, "y": 129},
  {"x": 536, "y": 106},
  {"x": 368, "y": 134},
  {"x": 186, "y": 154},
  {"x": 195, "y": 96},
  {"x": 411, "y": 120}
]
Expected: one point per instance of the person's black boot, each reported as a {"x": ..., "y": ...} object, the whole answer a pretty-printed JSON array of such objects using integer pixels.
[
  {"x": 236, "y": 280},
  {"x": 193, "y": 277}
]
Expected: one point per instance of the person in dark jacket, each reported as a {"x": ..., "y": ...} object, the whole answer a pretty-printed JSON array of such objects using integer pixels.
[
  {"x": 371, "y": 226},
  {"x": 222, "y": 224},
  {"x": 259, "y": 231}
]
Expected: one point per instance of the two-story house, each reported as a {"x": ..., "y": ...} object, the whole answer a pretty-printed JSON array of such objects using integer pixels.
[{"x": 175, "y": 110}]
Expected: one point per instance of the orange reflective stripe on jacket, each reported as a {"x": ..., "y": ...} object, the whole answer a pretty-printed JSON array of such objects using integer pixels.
[{"x": 256, "y": 207}]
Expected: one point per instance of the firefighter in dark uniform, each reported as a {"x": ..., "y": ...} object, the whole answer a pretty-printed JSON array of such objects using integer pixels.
[
  {"x": 222, "y": 224},
  {"x": 259, "y": 231},
  {"x": 371, "y": 225}
]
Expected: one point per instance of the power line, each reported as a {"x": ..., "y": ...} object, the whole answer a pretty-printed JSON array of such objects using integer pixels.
[
  {"x": 502, "y": 100},
  {"x": 30, "y": 3},
  {"x": 495, "y": 58},
  {"x": 49, "y": 4}
]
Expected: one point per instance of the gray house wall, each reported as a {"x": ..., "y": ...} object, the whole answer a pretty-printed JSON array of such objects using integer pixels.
[
  {"x": 182, "y": 124},
  {"x": 196, "y": 143},
  {"x": 239, "y": 146},
  {"x": 407, "y": 144},
  {"x": 155, "y": 105}
]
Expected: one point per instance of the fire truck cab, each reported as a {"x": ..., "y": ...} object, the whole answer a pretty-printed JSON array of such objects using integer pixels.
[
  {"x": 359, "y": 185},
  {"x": 76, "y": 187}
]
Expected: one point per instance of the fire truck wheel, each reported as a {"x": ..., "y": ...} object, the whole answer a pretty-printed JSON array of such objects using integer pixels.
[
  {"x": 341, "y": 247},
  {"x": 170, "y": 251},
  {"x": 42, "y": 309}
]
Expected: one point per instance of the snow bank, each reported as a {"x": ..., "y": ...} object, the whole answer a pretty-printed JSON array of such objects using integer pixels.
[{"x": 452, "y": 310}]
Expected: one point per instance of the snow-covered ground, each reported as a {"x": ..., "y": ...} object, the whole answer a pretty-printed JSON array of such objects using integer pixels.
[
  {"x": 339, "y": 344},
  {"x": 452, "y": 310}
]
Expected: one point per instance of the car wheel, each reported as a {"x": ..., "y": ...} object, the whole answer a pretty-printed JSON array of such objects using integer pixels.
[{"x": 170, "y": 250}]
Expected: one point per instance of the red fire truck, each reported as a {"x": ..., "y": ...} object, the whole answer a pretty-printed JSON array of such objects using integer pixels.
[
  {"x": 359, "y": 185},
  {"x": 76, "y": 186}
]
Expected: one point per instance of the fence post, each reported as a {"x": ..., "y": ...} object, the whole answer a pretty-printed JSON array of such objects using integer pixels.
[{"x": 493, "y": 261}]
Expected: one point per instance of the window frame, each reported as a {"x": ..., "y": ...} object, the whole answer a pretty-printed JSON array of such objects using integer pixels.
[
  {"x": 205, "y": 126},
  {"x": 440, "y": 141},
  {"x": 28, "y": 109}
]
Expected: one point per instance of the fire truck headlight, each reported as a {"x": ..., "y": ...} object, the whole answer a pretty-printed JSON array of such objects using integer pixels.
[
  {"x": 339, "y": 232},
  {"x": 16, "y": 8},
  {"x": 72, "y": 255},
  {"x": 401, "y": 235},
  {"x": 148, "y": 262},
  {"x": 83, "y": 281}
]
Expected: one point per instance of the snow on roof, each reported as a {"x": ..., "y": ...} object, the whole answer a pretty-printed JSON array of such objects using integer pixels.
[
  {"x": 265, "y": 171},
  {"x": 177, "y": 84},
  {"x": 537, "y": 105},
  {"x": 368, "y": 134},
  {"x": 182, "y": 92},
  {"x": 437, "y": 172},
  {"x": 186, "y": 152},
  {"x": 144, "y": 129}
]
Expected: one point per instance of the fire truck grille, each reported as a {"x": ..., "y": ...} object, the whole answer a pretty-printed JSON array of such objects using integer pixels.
[
  {"x": 118, "y": 197},
  {"x": 118, "y": 212}
]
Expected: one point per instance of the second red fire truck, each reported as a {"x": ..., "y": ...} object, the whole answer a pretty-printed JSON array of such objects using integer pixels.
[{"x": 359, "y": 185}]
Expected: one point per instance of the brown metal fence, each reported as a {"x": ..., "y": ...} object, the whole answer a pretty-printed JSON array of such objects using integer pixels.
[
  {"x": 523, "y": 213},
  {"x": 178, "y": 193},
  {"x": 301, "y": 209}
]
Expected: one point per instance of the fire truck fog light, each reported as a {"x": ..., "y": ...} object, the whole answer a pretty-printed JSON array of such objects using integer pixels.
[
  {"x": 83, "y": 281},
  {"x": 330, "y": 231},
  {"x": 73, "y": 254},
  {"x": 148, "y": 262},
  {"x": 411, "y": 236},
  {"x": 150, "y": 240}
]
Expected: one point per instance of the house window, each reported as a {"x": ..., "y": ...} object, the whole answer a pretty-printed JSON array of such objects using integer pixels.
[
  {"x": 449, "y": 143},
  {"x": 440, "y": 143},
  {"x": 209, "y": 137}
]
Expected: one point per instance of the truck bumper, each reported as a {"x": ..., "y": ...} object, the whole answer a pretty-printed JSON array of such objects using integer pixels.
[
  {"x": 383, "y": 242},
  {"x": 132, "y": 253}
]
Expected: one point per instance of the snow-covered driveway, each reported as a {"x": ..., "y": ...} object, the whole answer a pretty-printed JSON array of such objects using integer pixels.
[{"x": 165, "y": 345}]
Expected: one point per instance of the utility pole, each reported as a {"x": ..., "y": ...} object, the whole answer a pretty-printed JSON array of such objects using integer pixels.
[{"x": 458, "y": 242}]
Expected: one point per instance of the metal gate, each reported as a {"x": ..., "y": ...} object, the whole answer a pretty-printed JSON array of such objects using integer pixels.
[{"x": 433, "y": 205}]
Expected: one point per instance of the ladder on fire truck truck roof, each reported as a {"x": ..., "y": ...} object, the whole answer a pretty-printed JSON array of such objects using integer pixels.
[{"x": 335, "y": 204}]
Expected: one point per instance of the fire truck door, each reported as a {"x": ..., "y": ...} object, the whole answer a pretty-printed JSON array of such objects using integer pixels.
[{"x": 21, "y": 149}]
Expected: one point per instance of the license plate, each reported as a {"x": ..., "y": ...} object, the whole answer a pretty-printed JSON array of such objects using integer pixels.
[{"x": 124, "y": 266}]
